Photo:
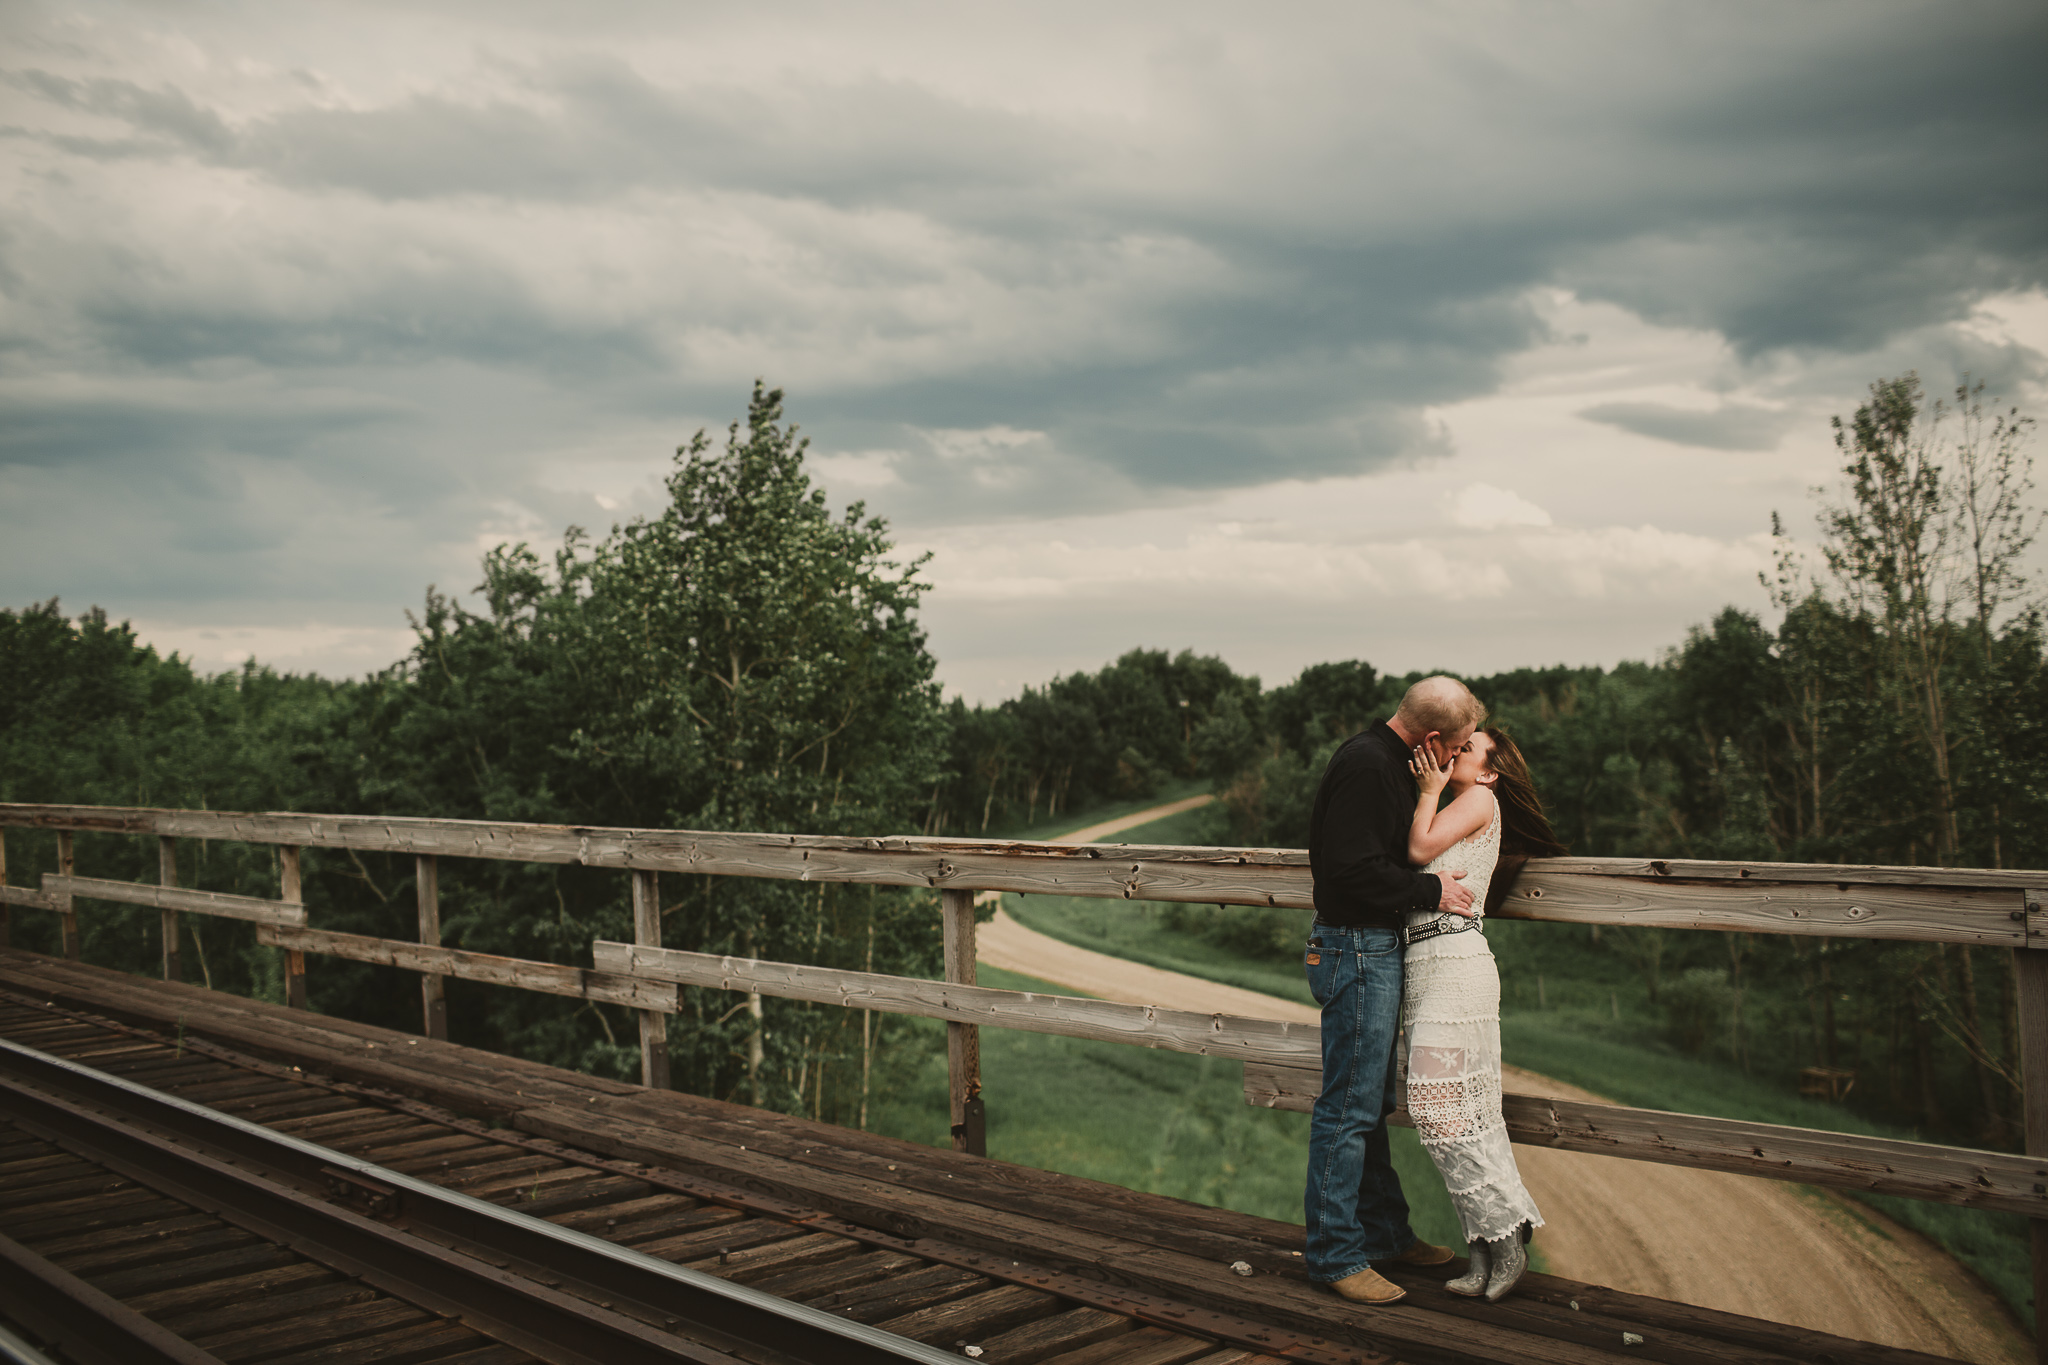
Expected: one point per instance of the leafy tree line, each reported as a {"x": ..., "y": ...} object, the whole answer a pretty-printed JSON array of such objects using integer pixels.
[{"x": 750, "y": 659}]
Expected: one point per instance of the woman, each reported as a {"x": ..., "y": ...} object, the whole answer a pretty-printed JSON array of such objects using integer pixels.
[{"x": 1450, "y": 1006}]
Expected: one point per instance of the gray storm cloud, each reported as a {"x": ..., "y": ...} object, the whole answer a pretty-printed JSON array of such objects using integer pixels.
[{"x": 258, "y": 257}]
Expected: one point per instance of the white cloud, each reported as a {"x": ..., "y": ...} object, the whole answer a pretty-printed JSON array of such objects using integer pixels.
[{"x": 1483, "y": 507}]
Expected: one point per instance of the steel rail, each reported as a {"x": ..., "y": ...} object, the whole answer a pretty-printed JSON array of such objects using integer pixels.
[
  {"x": 90, "y": 1327},
  {"x": 996, "y": 1261},
  {"x": 16, "y": 1351},
  {"x": 561, "y": 1295}
]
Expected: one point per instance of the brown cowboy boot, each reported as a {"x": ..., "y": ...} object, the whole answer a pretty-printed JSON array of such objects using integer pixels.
[
  {"x": 1420, "y": 1252},
  {"x": 1368, "y": 1286}
]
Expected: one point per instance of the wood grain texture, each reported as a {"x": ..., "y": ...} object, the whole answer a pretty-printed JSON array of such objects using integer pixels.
[
  {"x": 963, "y": 1041},
  {"x": 29, "y": 899},
  {"x": 290, "y": 887},
  {"x": 1221, "y": 1035},
  {"x": 1836, "y": 900},
  {"x": 1912, "y": 1170},
  {"x": 548, "y": 977},
  {"x": 67, "y": 863},
  {"x": 653, "y": 1023},
  {"x": 167, "y": 929},
  {"x": 2030, "y": 981},
  {"x": 178, "y": 898},
  {"x": 433, "y": 986},
  {"x": 1926, "y": 914}
]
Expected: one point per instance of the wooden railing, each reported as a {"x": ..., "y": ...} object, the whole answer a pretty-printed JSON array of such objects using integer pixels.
[{"x": 2000, "y": 909}]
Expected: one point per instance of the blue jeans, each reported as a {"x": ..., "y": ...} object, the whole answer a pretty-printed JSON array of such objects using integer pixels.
[{"x": 1356, "y": 1213}]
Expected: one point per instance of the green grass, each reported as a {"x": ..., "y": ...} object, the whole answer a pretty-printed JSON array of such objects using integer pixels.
[{"x": 1164, "y": 1122}]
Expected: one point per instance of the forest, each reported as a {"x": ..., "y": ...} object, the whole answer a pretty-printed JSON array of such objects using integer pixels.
[{"x": 751, "y": 659}]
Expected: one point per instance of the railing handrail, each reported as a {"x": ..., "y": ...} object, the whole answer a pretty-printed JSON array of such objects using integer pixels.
[{"x": 1978, "y": 906}]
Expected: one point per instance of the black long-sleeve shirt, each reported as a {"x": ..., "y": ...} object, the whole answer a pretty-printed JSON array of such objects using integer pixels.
[{"x": 1358, "y": 836}]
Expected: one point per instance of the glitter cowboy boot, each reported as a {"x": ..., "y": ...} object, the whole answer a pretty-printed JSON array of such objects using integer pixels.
[
  {"x": 1506, "y": 1262},
  {"x": 1473, "y": 1282}
]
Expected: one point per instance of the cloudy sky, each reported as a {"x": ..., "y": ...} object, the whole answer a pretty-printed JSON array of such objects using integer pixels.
[{"x": 1465, "y": 335}]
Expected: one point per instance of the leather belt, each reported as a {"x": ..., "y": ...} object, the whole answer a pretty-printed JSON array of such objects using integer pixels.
[{"x": 1442, "y": 924}]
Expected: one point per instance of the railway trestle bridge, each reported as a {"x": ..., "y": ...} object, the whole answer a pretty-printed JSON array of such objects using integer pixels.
[{"x": 187, "y": 1175}]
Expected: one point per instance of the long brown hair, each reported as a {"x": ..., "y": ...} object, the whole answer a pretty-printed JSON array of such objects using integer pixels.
[{"x": 1525, "y": 829}]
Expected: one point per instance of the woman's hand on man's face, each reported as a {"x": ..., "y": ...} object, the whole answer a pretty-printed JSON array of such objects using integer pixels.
[{"x": 1429, "y": 776}]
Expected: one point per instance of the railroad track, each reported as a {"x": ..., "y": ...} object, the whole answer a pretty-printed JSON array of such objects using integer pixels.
[{"x": 165, "y": 1199}]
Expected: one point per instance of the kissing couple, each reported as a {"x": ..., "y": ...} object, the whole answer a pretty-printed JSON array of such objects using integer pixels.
[{"x": 1401, "y": 892}]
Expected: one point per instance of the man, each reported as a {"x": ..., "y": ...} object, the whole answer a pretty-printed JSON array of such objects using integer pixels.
[{"x": 1358, "y": 853}]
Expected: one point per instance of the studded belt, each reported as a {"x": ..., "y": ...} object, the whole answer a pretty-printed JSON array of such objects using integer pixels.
[{"x": 1441, "y": 924}]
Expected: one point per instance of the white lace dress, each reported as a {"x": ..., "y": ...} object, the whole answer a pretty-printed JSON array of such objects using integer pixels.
[{"x": 1450, "y": 1009}]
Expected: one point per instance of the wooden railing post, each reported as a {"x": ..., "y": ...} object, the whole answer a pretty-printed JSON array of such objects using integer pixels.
[
  {"x": 67, "y": 865},
  {"x": 2030, "y": 973},
  {"x": 167, "y": 875},
  {"x": 433, "y": 986},
  {"x": 963, "y": 1041},
  {"x": 6, "y": 910},
  {"x": 653, "y": 1023},
  {"x": 294, "y": 958}
]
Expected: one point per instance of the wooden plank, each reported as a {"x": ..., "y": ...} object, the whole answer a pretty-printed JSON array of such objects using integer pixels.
[
  {"x": 6, "y": 911},
  {"x": 29, "y": 898},
  {"x": 167, "y": 876},
  {"x": 433, "y": 986},
  {"x": 872, "y": 1303},
  {"x": 868, "y": 1267},
  {"x": 974, "y": 1317},
  {"x": 547, "y": 977},
  {"x": 1220, "y": 1035},
  {"x": 1167, "y": 1219},
  {"x": 1285, "y": 1300},
  {"x": 291, "y": 889},
  {"x": 1146, "y": 1346},
  {"x": 178, "y": 898},
  {"x": 67, "y": 864},
  {"x": 942, "y": 1173},
  {"x": 963, "y": 1040},
  {"x": 1054, "y": 1334},
  {"x": 1856, "y": 874},
  {"x": 1246, "y": 876},
  {"x": 653, "y": 1023},
  {"x": 1978, "y": 917},
  {"x": 1914, "y": 1170},
  {"x": 2030, "y": 973}
]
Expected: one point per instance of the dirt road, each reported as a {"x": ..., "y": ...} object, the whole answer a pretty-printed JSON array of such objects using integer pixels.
[{"x": 1759, "y": 1247}]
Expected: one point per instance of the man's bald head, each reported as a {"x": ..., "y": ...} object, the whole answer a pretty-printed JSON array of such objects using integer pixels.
[{"x": 1439, "y": 705}]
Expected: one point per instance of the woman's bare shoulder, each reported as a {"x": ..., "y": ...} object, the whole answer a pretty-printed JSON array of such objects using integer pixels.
[{"x": 1469, "y": 812}]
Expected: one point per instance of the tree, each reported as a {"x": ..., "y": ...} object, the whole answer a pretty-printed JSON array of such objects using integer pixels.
[
  {"x": 1993, "y": 523},
  {"x": 1888, "y": 543},
  {"x": 748, "y": 659}
]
